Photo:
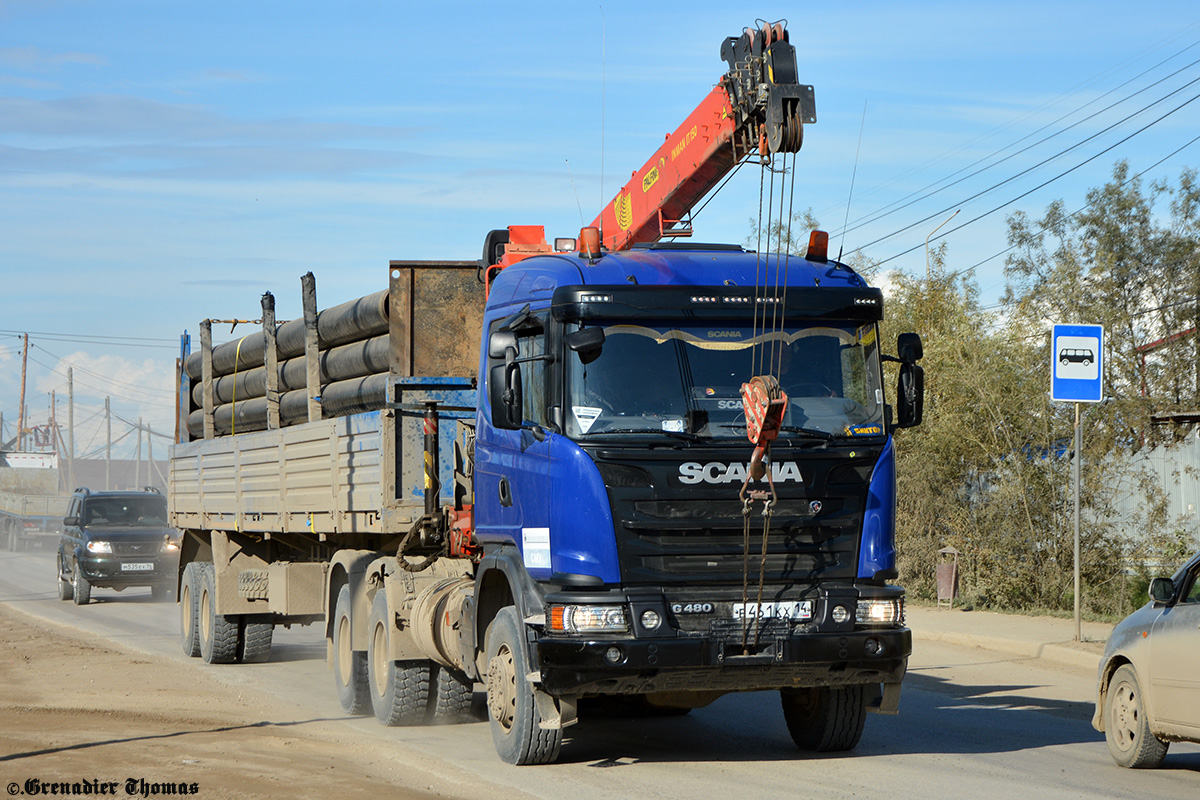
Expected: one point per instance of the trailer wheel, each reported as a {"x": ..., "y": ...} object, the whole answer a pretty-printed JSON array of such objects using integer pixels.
[
  {"x": 80, "y": 588},
  {"x": 254, "y": 639},
  {"x": 349, "y": 665},
  {"x": 218, "y": 632},
  {"x": 825, "y": 719},
  {"x": 65, "y": 590},
  {"x": 399, "y": 689},
  {"x": 512, "y": 710},
  {"x": 453, "y": 694},
  {"x": 189, "y": 610}
]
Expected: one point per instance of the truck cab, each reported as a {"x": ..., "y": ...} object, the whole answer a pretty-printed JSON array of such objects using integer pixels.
[{"x": 611, "y": 474}]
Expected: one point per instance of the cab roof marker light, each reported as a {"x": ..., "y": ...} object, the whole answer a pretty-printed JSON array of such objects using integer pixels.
[{"x": 595, "y": 298}]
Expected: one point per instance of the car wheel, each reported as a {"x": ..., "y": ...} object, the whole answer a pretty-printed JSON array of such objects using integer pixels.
[
  {"x": 349, "y": 665},
  {"x": 1127, "y": 725},
  {"x": 65, "y": 590},
  {"x": 80, "y": 588},
  {"x": 825, "y": 719},
  {"x": 512, "y": 709},
  {"x": 218, "y": 632}
]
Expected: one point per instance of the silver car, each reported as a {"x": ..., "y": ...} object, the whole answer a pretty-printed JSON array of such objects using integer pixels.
[{"x": 1148, "y": 692}]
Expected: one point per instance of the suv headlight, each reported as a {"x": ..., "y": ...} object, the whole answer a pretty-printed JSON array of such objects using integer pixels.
[
  {"x": 586, "y": 619},
  {"x": 880, "y": 612},
  {"x": 99, "y": 547},
  {"x": 169, "y": 545}
]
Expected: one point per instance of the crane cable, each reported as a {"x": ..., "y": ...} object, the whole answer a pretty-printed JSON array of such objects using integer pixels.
[{"x": 773, "y": 363}]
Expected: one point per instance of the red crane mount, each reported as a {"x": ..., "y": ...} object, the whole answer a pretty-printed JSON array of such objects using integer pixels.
[{"x": 757, "y": 107}]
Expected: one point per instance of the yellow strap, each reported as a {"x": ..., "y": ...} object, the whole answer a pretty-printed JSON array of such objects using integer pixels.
[{"x": 237, "y": 357}]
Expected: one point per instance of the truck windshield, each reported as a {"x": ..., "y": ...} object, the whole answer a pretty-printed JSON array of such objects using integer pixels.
[{"x": 686, "y": 379}]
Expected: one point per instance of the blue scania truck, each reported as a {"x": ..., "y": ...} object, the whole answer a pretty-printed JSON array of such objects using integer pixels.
[{"x": 541, "y": 475}]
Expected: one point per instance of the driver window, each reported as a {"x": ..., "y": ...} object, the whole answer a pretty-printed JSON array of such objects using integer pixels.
[
  {"x": 533, "y": 377},
  {"x": 1193, "y": 595}
]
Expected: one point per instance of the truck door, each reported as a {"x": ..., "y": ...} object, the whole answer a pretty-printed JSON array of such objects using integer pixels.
[{"x": 512, "y": 497}]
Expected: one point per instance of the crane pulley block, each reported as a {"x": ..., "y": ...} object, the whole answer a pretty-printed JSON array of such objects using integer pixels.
[{"x": 764, "y": 403}]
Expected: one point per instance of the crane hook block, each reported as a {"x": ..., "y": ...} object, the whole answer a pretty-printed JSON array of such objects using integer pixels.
[{"x": 764, "y": 403}]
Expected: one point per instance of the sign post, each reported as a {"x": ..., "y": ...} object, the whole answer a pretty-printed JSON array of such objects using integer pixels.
[{"x": 1077, "y": 376}]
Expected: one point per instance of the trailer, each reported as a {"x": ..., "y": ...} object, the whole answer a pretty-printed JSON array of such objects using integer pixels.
[
  {"x": 609, "y": 470},
  {"x": 32, "y": 505}
]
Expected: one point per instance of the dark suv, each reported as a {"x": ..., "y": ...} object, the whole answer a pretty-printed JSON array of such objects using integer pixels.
[{"x": 114, "y": 540}]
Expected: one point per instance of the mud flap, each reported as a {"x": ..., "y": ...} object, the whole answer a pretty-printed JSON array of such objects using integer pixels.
[
  {"x": 885, "y": 699},
  {"x": 554, "y": 713}
]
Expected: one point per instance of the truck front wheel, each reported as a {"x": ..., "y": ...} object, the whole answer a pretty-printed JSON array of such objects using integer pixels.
[
  {"x": 512, "y": 709},
  {"x": 349, "y": 665},
  {"x": 399, "y": 689},
  {"x": 825, "y": 719}
]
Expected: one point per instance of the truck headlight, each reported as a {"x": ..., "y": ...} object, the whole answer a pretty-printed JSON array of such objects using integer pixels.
[
  {"x": 880, "y": 611},
  {"x": 99, "y": 547},
  {"x": 587, "y": 619}
]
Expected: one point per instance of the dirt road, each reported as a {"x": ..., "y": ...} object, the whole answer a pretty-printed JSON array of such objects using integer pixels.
[{"x": 77, "y": 709}]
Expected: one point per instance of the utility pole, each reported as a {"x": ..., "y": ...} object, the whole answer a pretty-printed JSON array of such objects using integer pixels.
[
  {"x": 70, "y": 430},
  {"x": 107, "y": 447},
  {"x": 137, "y": 470},
  {"x": 21, "y": 408}
]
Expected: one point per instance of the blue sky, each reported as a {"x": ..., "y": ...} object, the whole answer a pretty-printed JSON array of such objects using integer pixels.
[{"x": 165, "y": 162}]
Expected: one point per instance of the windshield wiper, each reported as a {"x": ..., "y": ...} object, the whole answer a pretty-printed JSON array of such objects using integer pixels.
[
  {"x": 813, "y": 432},
  {"x": 685, "y": 436}
]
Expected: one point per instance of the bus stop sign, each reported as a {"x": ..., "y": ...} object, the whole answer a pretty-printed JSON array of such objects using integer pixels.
[{"x": 1077, "y": 364}]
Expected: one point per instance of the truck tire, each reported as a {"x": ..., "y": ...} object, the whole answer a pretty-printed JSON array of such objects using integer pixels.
[
  {"x": 254, "y": 639},
  {"x": 453, "y": 694},
  {"x": 81, "y": 590},
  {"x": 1127, "y": 726},
  {"x": 65, "y": 590},
  {"x": 399, "y": 689},
  {"x": 189, "y": 610},
  {"x": 512, "y": 710},
  {"x": 825, "y": 719},
  {"x": 349, "y": 665},
  {"x": 218, "y": 632}
]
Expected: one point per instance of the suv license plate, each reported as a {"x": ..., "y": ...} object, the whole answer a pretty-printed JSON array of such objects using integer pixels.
[
  {"x": 137, "y": 567},
  {"x": 794, "y": 610}
]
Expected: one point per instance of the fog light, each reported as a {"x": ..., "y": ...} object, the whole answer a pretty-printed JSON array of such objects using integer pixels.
[
  {"x": 650, "y": 620},
  {"x": 613, "y": 655},
  {"x": 840, "y": 614},
  {"x": 873, "y": 647}
]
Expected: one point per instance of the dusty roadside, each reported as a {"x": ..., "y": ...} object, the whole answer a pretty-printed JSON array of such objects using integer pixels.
[{"x": 74, "y": 709}]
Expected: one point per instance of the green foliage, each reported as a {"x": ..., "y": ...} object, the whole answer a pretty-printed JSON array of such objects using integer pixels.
[{"x": 989, "y": 470}]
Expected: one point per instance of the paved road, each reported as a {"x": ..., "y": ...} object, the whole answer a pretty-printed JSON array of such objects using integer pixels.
[{"x": 973, "y": 723}]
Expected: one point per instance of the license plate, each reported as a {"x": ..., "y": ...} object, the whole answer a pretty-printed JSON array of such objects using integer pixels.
[
  {"x": 137, "y": 567},
  {"x": 793, "y": 610}
]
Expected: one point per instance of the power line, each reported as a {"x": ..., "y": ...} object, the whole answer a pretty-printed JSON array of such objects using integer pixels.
[{"x": 1045, "y": 183}]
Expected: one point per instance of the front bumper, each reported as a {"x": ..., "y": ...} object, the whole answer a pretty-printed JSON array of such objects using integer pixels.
[
  {"x": 108, "y": 571},
  {"x": 705, "y": 663}
]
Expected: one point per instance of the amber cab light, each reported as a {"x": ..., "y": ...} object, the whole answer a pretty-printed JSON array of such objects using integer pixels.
[{"x": 818, "y": 246}]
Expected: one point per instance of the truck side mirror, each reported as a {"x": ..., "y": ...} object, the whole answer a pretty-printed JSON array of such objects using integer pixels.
[
  {"x": 505, "y": 392},
  {"x": 909, "y": 347},
  {"x": 1162, "y": 590},
  {"x": 587, "y": 342},
  {"x": 910, "y": 396},
  {"x": 500, "y": 343}
]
